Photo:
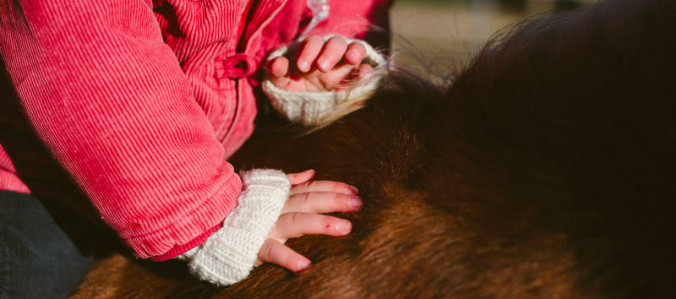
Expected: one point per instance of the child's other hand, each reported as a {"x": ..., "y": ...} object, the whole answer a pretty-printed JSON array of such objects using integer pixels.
[
  {"x": 301, "y": 215},
  {"x": 320, "y": 65}
]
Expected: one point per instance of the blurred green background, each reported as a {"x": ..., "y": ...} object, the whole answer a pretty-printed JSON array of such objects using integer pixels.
[{"x": 439, "y": 36}]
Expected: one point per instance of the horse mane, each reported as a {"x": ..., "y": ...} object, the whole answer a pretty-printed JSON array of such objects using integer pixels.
[
  {"x": 544, "y": 171},
  {"x": 572, "y": 113}
]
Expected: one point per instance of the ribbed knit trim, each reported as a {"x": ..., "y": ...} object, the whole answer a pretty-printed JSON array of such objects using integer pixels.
[{"x": 230, "y": 253}]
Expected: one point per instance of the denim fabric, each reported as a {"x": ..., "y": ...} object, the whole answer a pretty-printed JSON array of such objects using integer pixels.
[{"x": 37, "y": 259}]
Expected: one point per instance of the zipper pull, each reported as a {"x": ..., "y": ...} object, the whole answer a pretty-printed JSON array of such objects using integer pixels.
[{"x": 320, "y": 11}]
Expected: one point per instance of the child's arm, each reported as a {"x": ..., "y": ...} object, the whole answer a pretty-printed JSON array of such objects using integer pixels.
[
  {"x": 111, "y": 103},
  {"x": 109, "y": 100}
]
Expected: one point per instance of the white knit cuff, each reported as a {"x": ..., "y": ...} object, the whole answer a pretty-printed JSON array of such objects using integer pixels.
[
  {"x": 229, "y": 254},
  {"x": 310, "y": 108}
]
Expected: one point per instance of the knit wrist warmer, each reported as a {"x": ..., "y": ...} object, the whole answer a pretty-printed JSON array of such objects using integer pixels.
[
  {"x": 311, "y": 108},
  {"x": 229, "y": 254}
]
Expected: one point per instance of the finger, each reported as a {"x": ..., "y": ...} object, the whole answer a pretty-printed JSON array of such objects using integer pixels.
[
  {"x": 300, "y": 177},
  {"x": 279, "y": 70},
  {"x": 277, "y": 253},
  {"x": 363, "y": 69},
  {"x": 333, "y": 51},
  {"x": 356, "y": 74},
  {"x": 355, "y": 53},
  {"x": 331, "y": 80},
  {"x": 294, "y": 225},
  {"x": 322, "y": 202},
  {"x": 279, "y": 66},
  {"x": 323, "y": 186},
  {"x": 345, "y": 76},
  {"x": 312, "y": 47}
]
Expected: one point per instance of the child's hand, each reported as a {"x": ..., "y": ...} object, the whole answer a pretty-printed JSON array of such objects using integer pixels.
[
  {"x": 320, "y": 65},
  {"x": 301, "y": 215}
]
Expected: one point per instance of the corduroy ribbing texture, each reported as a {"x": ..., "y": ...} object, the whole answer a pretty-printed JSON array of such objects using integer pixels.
[{"x": 129, "y": 97}]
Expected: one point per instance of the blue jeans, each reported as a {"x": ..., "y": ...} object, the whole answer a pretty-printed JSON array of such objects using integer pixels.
[{"x": 37, "y": 258}]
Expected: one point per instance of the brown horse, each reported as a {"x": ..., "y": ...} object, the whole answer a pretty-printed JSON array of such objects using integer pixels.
[{"x": 545, "y": 171}]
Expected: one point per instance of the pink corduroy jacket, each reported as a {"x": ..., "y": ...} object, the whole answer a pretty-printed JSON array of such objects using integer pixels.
[{"x": 137, "y": 104}]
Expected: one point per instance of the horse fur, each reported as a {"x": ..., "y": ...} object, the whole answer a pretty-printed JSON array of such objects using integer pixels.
[{"x": 545, "y": 171}]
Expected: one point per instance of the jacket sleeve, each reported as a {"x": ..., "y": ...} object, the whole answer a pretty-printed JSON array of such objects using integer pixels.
[
  {"x": 364, "y": 19},
  {"x": 111, "y": 103}
]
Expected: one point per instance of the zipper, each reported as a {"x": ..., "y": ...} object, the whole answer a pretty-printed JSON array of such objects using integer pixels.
[{"x": 320, "y": 11}]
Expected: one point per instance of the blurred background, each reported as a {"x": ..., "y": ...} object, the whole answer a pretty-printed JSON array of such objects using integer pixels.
[{"x": 441, "y": 35}]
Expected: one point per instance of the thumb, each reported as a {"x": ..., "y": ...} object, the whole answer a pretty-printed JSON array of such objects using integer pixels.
[{"x": 300, "y": 177}]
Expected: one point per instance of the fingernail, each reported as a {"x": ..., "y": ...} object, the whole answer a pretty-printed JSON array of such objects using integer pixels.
[
  {"x": 352, "y": 190},
  {"x": 353, "y": 55},
  {"x": 302, "y": 266},
  {"x": 355, "y": 202},
  {"x": 323, "y": 64},
  {"x": 304, "y": 66},
  {"x": 344, "y": 227}
]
